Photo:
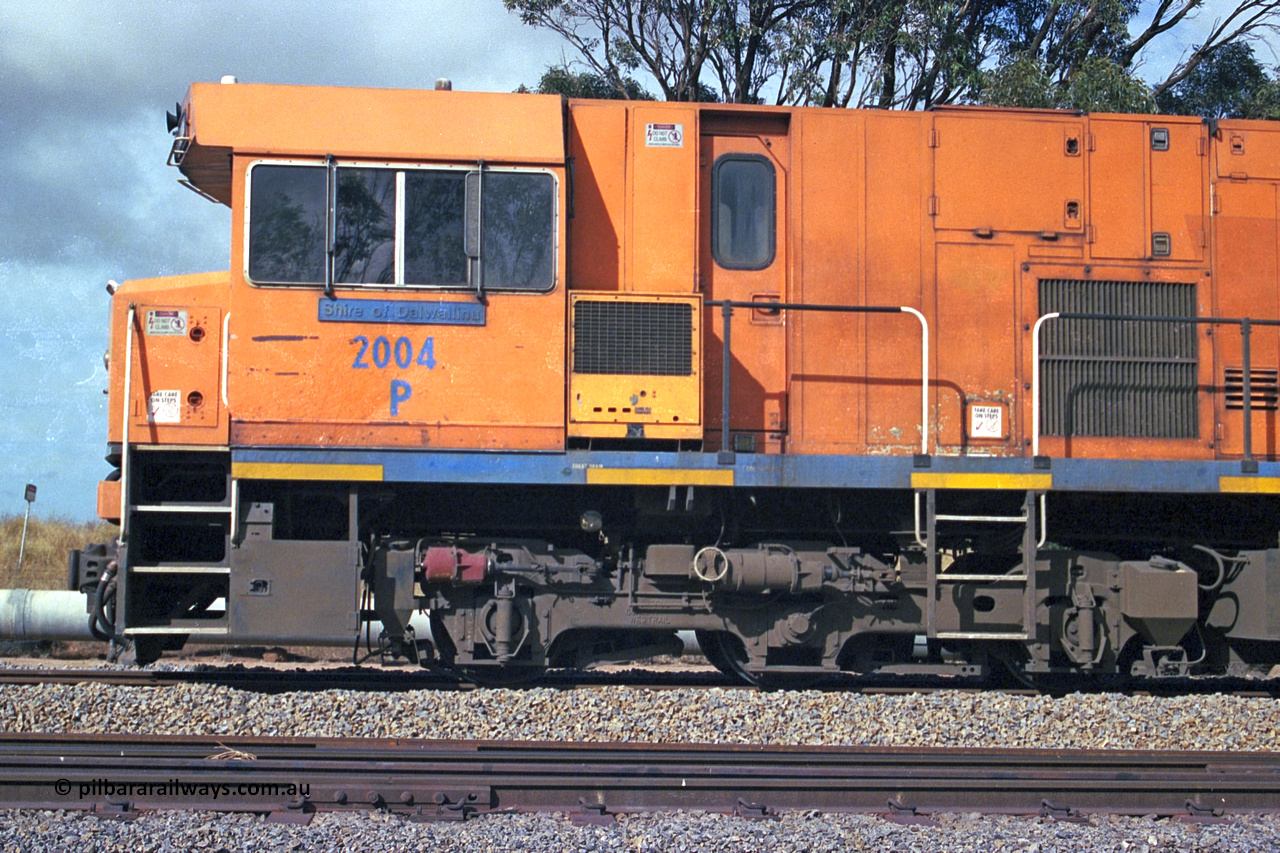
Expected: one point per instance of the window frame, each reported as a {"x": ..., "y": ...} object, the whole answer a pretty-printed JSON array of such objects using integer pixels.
[
  {"x": 734, "y": 156},
  {"x": 401, "y": 169}
]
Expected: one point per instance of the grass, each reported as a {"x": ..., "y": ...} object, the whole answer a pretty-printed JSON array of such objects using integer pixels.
[{"x": 44, "y": 565}]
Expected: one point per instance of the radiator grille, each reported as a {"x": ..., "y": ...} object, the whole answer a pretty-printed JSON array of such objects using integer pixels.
[
  {"x": 1264, "y": 388},
  {"x": 1118, "y": 378},
  {"x": 633, "y": 338}
]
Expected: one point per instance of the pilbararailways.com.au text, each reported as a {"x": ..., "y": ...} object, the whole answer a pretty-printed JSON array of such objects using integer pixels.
[{"x": 178, "y": 788}]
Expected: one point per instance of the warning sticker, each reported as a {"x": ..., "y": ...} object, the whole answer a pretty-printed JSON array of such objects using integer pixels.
[
  {"x": 986, "y": 422},
  {"x": 164, "y": 407},
  {"x": 664, "y": 135},
  {"x": 166, "y": 323}
]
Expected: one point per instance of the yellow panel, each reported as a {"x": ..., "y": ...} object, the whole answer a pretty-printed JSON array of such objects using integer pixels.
[
  {"x": 304, "y": 471},
  {"x": 1254, "y": 485},
  {"x": 667, "y": 406},
  {"x": 1030, "y": 482},
  {"x": 657, "y": 477}
]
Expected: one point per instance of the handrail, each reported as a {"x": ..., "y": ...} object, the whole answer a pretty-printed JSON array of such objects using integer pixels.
[
  {"x": 124, "y": 434},
  {"x": 1248, "y": 464},
  {"x": 726, "y": 307},
  {"x": 226, "y": 339}
]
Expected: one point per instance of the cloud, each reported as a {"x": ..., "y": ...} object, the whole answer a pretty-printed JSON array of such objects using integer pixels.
[{"x": 85, "y": 195}]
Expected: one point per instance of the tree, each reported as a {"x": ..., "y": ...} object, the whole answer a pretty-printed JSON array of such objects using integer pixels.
[
  {"x": 905, "y": 54},
  {"x": 559, "y": 80},
  {"x": 1097, "y": 85},
  {"x": 1231, "y": 83},
  {"x": 668, "y": 39}
]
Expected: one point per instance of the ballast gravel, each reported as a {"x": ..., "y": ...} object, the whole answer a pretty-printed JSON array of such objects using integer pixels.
[
  {"x": 676, "y": 831},
  {"x": 625, "y": 714}
]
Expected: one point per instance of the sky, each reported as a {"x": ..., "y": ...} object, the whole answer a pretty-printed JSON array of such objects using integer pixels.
[{"x": 86, "y": 197}]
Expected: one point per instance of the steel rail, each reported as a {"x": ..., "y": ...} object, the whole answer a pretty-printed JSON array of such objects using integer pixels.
[
  {"x": 373, "y": 678},
  {"x": 458, "y": 779},
  {"x": 392, "y": 680}
]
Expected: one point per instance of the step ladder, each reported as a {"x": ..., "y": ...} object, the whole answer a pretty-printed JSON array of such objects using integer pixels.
[{"x": 1032, "y": 519}]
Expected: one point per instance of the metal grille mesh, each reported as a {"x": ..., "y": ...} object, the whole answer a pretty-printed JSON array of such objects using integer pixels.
[
  {"x": 1264, "y": 388},
  {"x": 633, "y": 338},
  {"x": 1118, "y": 378}
]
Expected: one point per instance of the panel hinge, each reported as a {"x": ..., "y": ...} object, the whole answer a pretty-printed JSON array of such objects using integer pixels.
[
  {"x": 933, "y": 205},
  {"x": 933, "y": 138}
]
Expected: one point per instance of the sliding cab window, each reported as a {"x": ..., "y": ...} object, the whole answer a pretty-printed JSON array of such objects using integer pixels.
[
  {"x": 743, "y": 212},
  {"x": 364, "y": 233},
  {"x": 287, "y": 224},
  {"x": 395, "y": 227}
]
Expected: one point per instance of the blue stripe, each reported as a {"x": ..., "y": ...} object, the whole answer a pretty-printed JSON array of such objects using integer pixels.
[{"x": 761, "y": 471}]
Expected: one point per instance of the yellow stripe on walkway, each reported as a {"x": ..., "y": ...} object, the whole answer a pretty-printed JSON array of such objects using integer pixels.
[
  {"x": 1022, "y": 482},
  {"x": 658, "y": 477},
  {"x": 1250, "y": 485},
  {"x": 305, "y": 471}
]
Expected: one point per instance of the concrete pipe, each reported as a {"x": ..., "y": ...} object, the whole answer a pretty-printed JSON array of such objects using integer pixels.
[{"x": 43, "y": 614}]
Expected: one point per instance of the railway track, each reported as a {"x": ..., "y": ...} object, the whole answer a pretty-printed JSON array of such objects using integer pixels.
[
  {"x": 291, "y": 778},
  {"x": 267, "y": 680},
  {"x": 270, "y": 680}
]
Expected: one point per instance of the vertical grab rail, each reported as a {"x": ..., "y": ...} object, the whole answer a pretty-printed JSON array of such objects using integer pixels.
[
  {"x": 1248, "y": 464},
  {"x": 124, "y": 434},
  {"x": 1035, "y": 380},
  {"x": 726, "y": 307}
]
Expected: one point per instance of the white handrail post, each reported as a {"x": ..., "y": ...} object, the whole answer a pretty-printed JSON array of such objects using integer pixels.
[
  {"x": 924, "y": 372},
  {"x": 124, "y": 434},
  {"x": 1035, "y": 382},
  {"x": 226, "y": 336}
]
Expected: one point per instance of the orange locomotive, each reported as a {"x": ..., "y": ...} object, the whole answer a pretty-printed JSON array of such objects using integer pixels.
[{"x": 1001, "y": 381}]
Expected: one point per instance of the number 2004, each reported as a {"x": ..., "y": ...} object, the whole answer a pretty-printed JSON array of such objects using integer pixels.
[{"x": 382, "y": 351}]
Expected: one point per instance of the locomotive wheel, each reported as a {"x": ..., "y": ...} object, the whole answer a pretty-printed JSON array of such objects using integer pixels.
[{"x": 725, "y": 651}]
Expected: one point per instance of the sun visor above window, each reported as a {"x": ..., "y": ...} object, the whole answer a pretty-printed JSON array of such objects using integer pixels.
[{"x": 364, "y": 124}]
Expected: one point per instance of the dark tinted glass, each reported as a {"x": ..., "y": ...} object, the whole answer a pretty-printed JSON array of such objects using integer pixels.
[
  {"x": 433, "y": 218},
  {"x": 286, "y": 224},
  {"x": 364, "y": 240},
  {"x": 518, "y": 247},
  {"x": 743, "y": 217}
]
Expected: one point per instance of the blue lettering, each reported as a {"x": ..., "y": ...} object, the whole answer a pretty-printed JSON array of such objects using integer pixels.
[
  {"x": 400, "y": 391},
  {"x": 381, "y": 352},
  {"x": 360, "y": 363},
  {"x": 427, "y": 356}
]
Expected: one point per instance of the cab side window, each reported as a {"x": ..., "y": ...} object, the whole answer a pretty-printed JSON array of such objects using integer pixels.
[
  {"x": 364, "y": 234},
  {"x": 743, "y": 212},
  {"x": 395, "y": 227},
  {"x": 518, "y": 246},
  {"x": 433, "y": 221},
  {"x": 287, "y": 224}
]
